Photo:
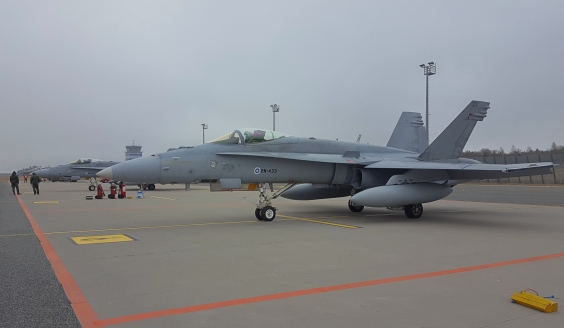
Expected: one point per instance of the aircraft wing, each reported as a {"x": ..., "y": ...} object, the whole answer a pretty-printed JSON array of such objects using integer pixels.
[
  {"x": 352, "y": 157},
  {"x": 463, "y": 171}
]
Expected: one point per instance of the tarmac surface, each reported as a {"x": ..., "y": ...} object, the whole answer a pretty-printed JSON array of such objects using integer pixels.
[{"x": 179, "y": 258}]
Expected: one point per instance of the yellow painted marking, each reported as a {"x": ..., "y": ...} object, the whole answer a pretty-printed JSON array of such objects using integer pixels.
[
  {"x": 162, "y": 197},
  {"x": 321, "y": 222},
  {"x": 17, "y": 235},
  {"x": 85, "y": 240},
  {"x": 334, "y": 217},
  {"x": 48, "y": 202},
  {"x": 155, "y": 227},
  {"x": 288, "y": 218}
]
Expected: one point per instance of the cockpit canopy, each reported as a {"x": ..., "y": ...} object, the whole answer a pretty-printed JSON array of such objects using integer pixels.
[
  {"x": 248, "y": 135},
  {"x": 85, "y": 161}
]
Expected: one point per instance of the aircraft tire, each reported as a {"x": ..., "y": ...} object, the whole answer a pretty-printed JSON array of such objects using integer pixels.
[
  {"x": 355, "y": 208},
  {"x": 151, "y": 187},
  {"x": 413, "y": 211},
  {"x": 91, "y": 188},
  {"x": 257, "y": 214},
  {"x": 268, "y": 213}
]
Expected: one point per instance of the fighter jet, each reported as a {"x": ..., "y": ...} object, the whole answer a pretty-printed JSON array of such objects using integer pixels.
[
  {"x": 401, "y": 176},
  {"x": 82, "y": 168},
  {"x": 75, "y": 170}
]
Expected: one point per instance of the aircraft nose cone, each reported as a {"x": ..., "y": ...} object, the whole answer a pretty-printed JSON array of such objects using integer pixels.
[
  {"x": 43, "y": 173},
  {"x": 141, "y": 170},
  {"x": 105, "y": 173}
]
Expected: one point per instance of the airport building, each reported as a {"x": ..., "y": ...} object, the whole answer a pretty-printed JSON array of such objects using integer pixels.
[{"x": 133, "y": 151}]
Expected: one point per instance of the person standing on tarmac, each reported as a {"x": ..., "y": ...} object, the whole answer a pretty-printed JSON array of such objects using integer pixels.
[
  {"x": 25, "y": 178},
  {"x": 15, "y": 181},
  {"x": 34, "y": 180}
]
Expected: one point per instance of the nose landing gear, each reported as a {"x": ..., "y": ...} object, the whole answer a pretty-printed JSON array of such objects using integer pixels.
[
  {"x": 265, "y": 211},
  {"x": 93, "y": 184}
]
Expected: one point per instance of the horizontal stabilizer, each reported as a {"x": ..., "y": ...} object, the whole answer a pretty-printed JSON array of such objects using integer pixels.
[
  {"x": 451, "y": 142},
  {"x": 464, "y": 171},
  {"x": 410, "y": 133}
]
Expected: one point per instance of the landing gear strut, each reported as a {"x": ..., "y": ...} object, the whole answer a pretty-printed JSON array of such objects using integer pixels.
[
  {"x": 93, "y": 184},
  {"x": 265, "y": 211},
  {"x": 413, "y": 211}
]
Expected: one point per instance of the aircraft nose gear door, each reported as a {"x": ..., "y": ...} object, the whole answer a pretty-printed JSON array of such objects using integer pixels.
[{"x": 265, "y": 211}]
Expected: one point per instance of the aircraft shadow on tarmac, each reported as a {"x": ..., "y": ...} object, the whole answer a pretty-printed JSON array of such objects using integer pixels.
[{"x": 460, "y": 218}]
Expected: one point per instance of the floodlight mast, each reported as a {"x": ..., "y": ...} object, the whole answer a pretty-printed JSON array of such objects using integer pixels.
[
  {"x": 430, "y": 69},
  {"x": 204, "y": 127},
  {"x": 275, "y": 109}
]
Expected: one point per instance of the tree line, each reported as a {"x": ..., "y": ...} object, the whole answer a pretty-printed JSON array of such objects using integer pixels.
[{"x": 554, "y": 149}]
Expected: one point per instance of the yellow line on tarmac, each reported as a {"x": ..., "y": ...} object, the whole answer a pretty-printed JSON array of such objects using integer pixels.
[
  {"x": 150, "y": 227},
  {"x": 17, "y": 235},
  {"x": 48, "y": 202},
  {"x": 333, "y": 217},
  {"x": 162, "y": 197},
  {"x": 321, "y": 222}
]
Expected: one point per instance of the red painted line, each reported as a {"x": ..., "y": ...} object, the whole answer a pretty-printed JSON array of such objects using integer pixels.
[
  {"x": 82, "y": 308},
  {"x": 303, "y": 292}
]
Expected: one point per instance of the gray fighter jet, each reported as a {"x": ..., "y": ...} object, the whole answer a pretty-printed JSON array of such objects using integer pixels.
[
  {"x": 75, "y": 170},
  {"x": 83, "y": 168},
  {"x": 401, "y": 176}
]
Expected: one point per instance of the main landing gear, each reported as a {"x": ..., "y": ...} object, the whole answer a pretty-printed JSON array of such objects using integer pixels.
[
  {"x": 149, "y": 186},
  {"x": 413, "y": 211},
  {"x": 265, "y": 211},
  {"x": 355, "y": 208},
  {"x": 352, "y": 206}
]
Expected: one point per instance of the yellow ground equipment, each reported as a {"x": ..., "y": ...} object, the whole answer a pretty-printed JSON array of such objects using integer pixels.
[{"x": 534, "y": 301}]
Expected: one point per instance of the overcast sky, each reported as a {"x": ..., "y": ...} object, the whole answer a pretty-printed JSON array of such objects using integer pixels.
[{"x": 85, "y": 78}]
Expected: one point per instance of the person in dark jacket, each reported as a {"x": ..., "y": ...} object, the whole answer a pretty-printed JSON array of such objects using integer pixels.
[
  {"x": 15, "y": 181},
  {"x": 34, "y": 180}
]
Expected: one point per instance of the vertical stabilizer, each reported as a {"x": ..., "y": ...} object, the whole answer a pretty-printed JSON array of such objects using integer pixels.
[
  {"x": 410, "y": 133},
  {"x": 452, "y": 140}
]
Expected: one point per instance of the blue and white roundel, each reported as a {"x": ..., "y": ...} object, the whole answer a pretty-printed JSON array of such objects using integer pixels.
[{"x": 257, "y": 170}]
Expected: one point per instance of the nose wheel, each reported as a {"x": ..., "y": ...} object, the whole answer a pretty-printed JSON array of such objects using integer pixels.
[{"x": 267, "y": 213}]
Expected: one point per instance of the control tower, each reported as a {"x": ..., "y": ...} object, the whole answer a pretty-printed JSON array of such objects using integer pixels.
[{"x": 133, "y": 151}]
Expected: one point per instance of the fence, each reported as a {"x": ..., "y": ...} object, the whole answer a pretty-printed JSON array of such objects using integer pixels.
[{"x": 555, "y": 178}]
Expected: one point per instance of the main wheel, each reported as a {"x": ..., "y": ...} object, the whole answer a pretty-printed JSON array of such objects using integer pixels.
[
  {"x": 257, "y": 214},
  {"x": 151, "y": 187},
  {"x": 268, "y": 213},
  {"x": 355, "y": 208},
  {"x": 413, "y": 211},
  {"x": 91, "y": 187}
]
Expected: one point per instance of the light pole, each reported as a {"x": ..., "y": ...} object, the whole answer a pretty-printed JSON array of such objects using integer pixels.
[
  {"x": 430, "y": 69},
  {"x": 204, "y": 127},
  {"x": 275, "y": 109}
]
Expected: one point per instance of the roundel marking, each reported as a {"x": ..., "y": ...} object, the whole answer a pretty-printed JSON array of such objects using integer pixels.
[{"x": 257, "y": 170}]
